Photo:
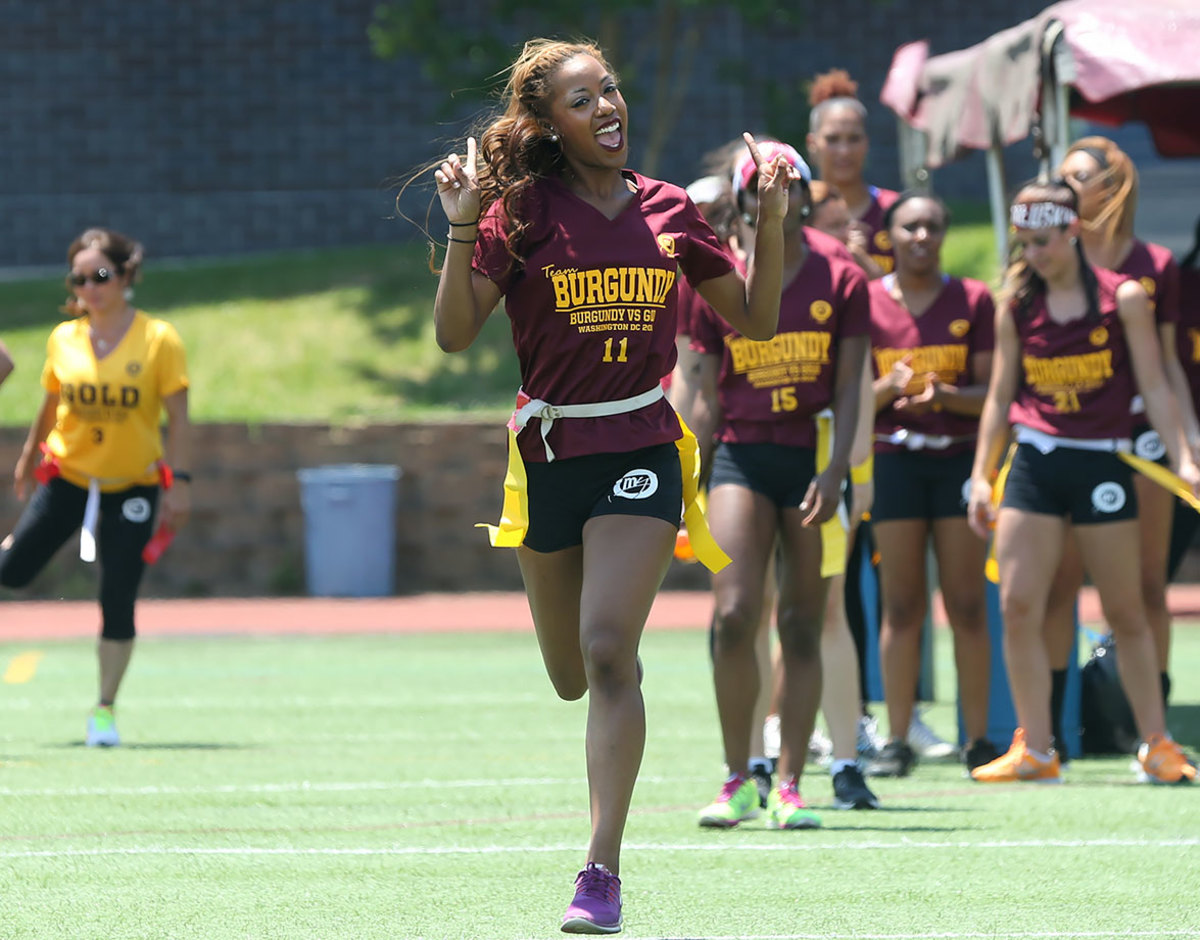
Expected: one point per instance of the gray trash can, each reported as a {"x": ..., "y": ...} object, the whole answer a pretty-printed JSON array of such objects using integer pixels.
[{"x": 349, "y": 529}]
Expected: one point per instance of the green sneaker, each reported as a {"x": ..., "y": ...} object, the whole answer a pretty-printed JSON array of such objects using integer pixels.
[
  {"x": 102, "y": 728},
  {"x": 737, "y": 801},
  {"x": 786, "y": 810}
]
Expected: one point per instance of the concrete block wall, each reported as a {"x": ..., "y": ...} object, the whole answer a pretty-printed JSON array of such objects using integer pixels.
[{"x": 247, "y": 534}]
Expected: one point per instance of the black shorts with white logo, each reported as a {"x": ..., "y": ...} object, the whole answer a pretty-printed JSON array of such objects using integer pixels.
[
  {"x": 566, "y": 493},
  {"x": 920, "y": 484},
  {"x": 1089, "y": 486},
  {"x": 779, "y": 472}
]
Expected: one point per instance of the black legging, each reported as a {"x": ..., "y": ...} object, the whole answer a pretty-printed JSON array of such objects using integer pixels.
[{"x": 55, "y": 513}]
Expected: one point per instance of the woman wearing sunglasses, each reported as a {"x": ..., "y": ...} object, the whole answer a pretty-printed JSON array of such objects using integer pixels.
[{"x": 96, "y": 449}]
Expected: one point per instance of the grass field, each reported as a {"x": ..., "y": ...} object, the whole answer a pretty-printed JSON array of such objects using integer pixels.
[
  {"x": 342, "y": 336},
  {"x": 431, "y": 786}
]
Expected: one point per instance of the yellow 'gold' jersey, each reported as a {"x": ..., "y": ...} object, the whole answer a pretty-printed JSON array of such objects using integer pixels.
[{"x": 107, "y": 424}]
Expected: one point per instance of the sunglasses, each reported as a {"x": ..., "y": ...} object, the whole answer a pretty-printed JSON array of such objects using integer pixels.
[{"x": 100, "y": 276}]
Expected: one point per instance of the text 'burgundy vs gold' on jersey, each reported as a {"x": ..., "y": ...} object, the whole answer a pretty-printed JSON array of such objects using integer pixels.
[
  {"x": 593, "y": 307},
  {"x": 1076, "y": 378},
  {"x": 770, "y": 390},
  {"x": 959, "y": 323}
]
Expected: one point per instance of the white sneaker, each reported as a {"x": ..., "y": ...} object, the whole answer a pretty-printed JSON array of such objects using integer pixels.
[
  {"x": 820, "y": 748},
  {"x": 771, "y": 737},
  {"x": 925, "y": 741},
  {"x": 102, "y": 728},
  {"x": 868, "y": 742}
]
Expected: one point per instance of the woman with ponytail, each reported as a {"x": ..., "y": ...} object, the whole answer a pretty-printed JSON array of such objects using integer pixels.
[
  {"x": 1073, "y": 342},
  {"x": 1106, "y": 182}
]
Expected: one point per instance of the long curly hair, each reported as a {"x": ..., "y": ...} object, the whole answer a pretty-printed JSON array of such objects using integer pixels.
[{"x": 517, "y": 147}]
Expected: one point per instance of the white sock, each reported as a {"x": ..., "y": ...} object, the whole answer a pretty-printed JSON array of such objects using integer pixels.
[{"x": 839, "y": 765}]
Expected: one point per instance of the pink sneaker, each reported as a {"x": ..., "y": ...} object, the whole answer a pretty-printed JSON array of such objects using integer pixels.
[{"x": 597, "y": 904}]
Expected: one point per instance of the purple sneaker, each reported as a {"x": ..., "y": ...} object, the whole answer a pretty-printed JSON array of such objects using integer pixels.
[{"x": 597, "y": 904}]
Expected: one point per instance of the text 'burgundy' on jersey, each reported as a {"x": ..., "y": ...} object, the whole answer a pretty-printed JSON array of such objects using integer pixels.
[
  {"x": 593, "y": 307},
  {"x": 959, "y": 323},
  {"x": 1076, "y": 378},
  {"x": 770, "y": 390}
]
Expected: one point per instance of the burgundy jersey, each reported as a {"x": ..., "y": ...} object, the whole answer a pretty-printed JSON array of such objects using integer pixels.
[
  {"x": 1187, "y": 333},
  {"x": 1076, "y": 378},
  {"x": 1155, "y": 269},
  {"x": 958, "y": 324},
  {"x": 770, "y": 390},
  {"x": 593, "y": 306},
  {"x": 879, "y": 244}
]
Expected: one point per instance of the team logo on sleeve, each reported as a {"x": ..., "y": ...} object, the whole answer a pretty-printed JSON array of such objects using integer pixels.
[
  {"x": 821, "y": 310},
  {"x": 960, "y": 328},
  {"x": 1099, "y": 336},
  {"x": 636, "y": 484},
  {"x": 1149, "y": 285},
  {"x": 1108, "y": 498},
  {"x": 883, "y": 241},
  {"x": 666, "y": 244},
  {"x": 136, "y": 509}
]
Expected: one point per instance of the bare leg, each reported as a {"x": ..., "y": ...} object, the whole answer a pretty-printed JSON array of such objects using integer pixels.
[
  {"x": 744, "y": 523},
  {"x": 902, "y": 584},
  {"x": 1028, "y": 549},
  {"x": 114, "y": 656},
  {"x": 553, "y": 584},
  {"x": 961, "y": 556},
  {"x": 1156, "y": 508},
  {"x": 624, "y": 561},
  {"x": 1110, "y": 554},
  {"x": 841, "y": 697},
  {"x": 802, "y": 595},
  {"x": 762, "y": 652},
  {"x": 1060, "y": 605}
]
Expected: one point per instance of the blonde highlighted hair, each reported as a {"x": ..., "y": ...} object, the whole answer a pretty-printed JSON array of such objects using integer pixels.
[{"x": 1115, "y": 218}]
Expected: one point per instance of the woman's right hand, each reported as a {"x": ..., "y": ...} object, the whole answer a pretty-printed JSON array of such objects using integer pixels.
[
  {"x": 23, "y": 475},
  {"x": 458, "y": 187},
  {"x": 981, "y": 515}
]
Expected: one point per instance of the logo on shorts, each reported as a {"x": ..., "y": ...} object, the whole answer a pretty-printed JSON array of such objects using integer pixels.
[
  {"x": 821, "y": 310},
  {"x": 1149, "y": 446},
  {"x": 636, "y": 484},
  {"x": 1108, "y": 497},
  {"x": 966, "y": 492},
  {"x": 960, "y": 328},
  {"x": 136, "y": 509},
  {"x": 1098, "y": 336}
]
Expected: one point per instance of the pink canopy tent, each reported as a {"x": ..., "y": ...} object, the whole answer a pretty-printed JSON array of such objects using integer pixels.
[{"x": 1107, "y": 61}]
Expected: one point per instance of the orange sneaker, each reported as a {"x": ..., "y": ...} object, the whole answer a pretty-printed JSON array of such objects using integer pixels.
[
  {"x": 1163, "y": 761},
  {"x": 1019, "y": 766}
]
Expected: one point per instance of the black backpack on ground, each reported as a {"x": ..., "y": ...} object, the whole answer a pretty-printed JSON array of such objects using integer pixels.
[{"x": 1106, "y": 720}]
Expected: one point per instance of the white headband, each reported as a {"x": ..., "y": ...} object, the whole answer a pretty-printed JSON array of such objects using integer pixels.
[{"x": 1041, "y": 215}]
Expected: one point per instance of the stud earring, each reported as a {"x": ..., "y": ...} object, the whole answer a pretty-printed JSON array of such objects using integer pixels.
[{"x": 747, "y": 218}]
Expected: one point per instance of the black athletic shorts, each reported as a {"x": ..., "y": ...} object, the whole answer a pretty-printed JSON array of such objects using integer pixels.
[
  {"x": 1089, "y": 486},
  {"x": 920, "y": 484},
  {"x": 564, "y": 494},
  {"x": 777, "y": 471}
]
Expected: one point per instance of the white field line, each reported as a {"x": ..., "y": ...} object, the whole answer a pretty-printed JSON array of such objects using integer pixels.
[
  {"x": 782, "y": 846},
  {"x": 308, "y": 786},
  {"x": 1020, "y": 935}
]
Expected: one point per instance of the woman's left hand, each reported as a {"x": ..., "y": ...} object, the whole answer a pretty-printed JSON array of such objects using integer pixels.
[
  {"x": 822, "y": 498},
  {"x": 774, "y": 179},
  {"x": 177, "y": 505}
]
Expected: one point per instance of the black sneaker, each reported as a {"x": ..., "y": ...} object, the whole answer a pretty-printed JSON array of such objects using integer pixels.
[
  {"x": 850, "y": 790},
  {"x": 895, "y": 759},
  {"x": 978, "y": 753},
  {"x": 762, "y": 779}
]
